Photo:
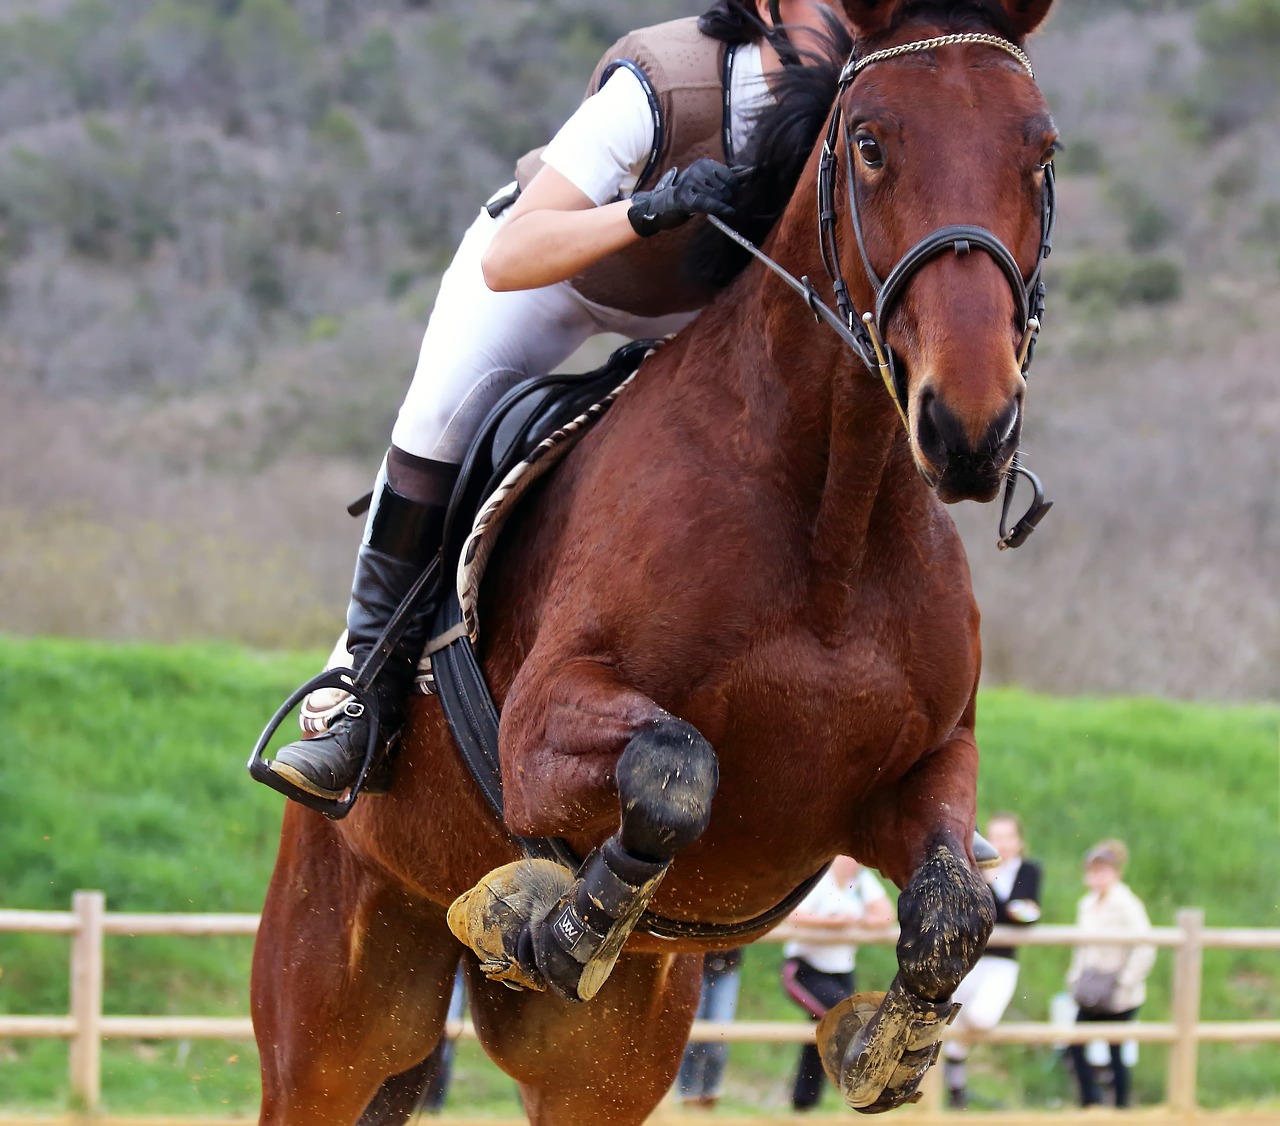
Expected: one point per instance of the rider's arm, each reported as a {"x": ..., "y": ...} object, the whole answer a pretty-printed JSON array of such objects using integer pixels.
[
  {"x": 554, "y": 232},
  {"x": 567, "y": 218},
  {"x": 575, "y": 211}
]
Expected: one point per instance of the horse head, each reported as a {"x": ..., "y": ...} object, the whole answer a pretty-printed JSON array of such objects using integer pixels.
[{"x": 948, "y": 183}]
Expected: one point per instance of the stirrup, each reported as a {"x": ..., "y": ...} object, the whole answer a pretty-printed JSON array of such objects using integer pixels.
[
  {"x": 260, "y": 767},
  {"x": 361, "y": 686}
]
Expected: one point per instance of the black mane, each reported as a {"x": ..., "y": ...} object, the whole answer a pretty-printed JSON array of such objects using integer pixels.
[{"x": 783, "y": 138}]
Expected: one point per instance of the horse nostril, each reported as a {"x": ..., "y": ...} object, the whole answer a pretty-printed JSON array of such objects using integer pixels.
[
  {"x": 939, "y": 433},
  {"x": 1005, "y": 427}
]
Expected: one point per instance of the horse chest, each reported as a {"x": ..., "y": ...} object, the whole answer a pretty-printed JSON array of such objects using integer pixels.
[{"x": 883, "y": 686}]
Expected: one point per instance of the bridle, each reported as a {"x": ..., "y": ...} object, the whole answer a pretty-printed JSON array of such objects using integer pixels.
[{"x": 865, "y": 334}]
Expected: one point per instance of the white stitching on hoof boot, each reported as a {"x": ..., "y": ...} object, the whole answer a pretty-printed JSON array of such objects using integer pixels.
[{"x": 876, "y": 1047}]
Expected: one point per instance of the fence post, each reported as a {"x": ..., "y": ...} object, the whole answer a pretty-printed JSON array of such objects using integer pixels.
[
  {"x": 1188, "y": 972},
  {"x": 89, "y": 908}
]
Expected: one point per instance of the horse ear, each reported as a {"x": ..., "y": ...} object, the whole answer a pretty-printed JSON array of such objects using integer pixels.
[
  {"x": 869, "y": 17},
  {"x": 1026, "y": 15}
]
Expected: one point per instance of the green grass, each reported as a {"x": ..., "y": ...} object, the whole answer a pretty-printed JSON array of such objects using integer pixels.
[{"x": 123, "y": 770}]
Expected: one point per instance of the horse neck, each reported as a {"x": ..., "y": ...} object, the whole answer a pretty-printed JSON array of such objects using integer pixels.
[{"x": 838, "y": 435}]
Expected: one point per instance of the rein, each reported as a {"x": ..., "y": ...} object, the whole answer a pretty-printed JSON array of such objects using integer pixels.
[{"x": 865, "y": 334}]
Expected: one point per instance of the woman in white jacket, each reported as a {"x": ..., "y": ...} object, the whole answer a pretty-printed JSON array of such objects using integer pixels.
[{"x": 1108, "y": 981}]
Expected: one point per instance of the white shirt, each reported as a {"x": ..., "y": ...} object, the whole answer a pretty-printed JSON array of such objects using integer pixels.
[
  {"x": 604, "y": 147},
  {"x": 830, "y": 900},
  {"x": 1003, "y": 878}
]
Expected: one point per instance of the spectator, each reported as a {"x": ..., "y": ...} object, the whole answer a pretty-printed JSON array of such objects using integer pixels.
[
  {"x": 986, "y": 992},
  {"x": 702, "y": 1069},
  {"x": 1108, "y": 982},
  {"x": 818, "y": 976}
]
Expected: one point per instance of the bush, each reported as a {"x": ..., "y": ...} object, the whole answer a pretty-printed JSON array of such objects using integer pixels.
[
  {"x": 1155, "y": 281},
  {"x": 1240, "y": 77},
  {"x": 1096, "y": 277},
  {"x": 1268, "y": 226},
  {"x": 340, "y": 136},
  {"x": 1080, "y": 157},
  {"x": 1118, "y": 281},
  {"x": 1147, "y": 224},
  {"x": 371, "y": 81}
]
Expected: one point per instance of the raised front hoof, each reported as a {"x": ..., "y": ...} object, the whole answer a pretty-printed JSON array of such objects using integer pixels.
[
  {"x": 494, "y": 915},
  {"x": 876, "y": 1047}
]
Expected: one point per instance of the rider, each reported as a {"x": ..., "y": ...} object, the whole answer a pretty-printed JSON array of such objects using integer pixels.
[{"x": 566, "y": 252}]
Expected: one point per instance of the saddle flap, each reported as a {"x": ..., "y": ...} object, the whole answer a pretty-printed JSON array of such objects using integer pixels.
[{"x": 526, "y": 417}]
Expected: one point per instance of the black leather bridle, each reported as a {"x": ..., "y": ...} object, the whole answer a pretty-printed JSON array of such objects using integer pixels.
[{"x": 865, "y": 334}]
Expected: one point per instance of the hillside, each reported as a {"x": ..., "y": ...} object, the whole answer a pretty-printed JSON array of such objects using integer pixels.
[
  {"x": 124, "y": 771},
  {"x": 220, "y": 230}
]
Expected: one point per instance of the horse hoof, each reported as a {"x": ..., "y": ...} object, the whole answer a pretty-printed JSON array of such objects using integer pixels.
[
  {"x": 492, "y": 917},
  {"x": 876, "y": 1047}
]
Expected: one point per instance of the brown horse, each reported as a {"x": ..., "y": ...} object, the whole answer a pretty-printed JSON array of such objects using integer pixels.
[{"x": 749, "y": 554}]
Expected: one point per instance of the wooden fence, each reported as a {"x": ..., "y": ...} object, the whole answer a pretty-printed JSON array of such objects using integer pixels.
[{"x": 85, "y": 1027}]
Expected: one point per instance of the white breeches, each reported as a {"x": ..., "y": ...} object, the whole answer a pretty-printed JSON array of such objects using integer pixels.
[
  {"x": 479, "y": 344},
  {"x": 983, "y": 995}
]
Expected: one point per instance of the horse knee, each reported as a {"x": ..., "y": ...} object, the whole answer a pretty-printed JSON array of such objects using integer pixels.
[
  {"x": 667, "y": 776},
  {"x": 946, "y": 912}
]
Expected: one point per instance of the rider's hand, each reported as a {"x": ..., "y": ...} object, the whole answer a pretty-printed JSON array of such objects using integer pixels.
[{"x": 704, "y": 188}]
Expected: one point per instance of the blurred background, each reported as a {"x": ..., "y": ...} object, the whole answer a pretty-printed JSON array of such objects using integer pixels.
[
  {"x": 221, "y": 228},
  {"x": 221, "y": 223}
]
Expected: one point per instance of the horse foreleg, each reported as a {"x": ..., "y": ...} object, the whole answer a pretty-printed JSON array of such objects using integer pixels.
[
  {"x": 351, "y": 981},
  {"x": 590, "y": 1065},
  {"x": 877, "y": 1047},
  {"x": 533, "y": 923}
]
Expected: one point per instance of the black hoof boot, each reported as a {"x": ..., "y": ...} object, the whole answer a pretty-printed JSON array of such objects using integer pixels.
[
  {"x": 579, "y": 941},
  {"x": 667, "y": 777}
]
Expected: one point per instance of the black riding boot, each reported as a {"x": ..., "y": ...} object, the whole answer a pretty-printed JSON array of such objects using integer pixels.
[{"x": 401, "y": 539}]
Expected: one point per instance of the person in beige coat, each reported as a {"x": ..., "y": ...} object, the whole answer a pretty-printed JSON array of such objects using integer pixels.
[{"x": 1107, "y": 981}]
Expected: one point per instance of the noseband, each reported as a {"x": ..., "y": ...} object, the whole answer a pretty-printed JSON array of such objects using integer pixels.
[{"x": 865, "y": 334}]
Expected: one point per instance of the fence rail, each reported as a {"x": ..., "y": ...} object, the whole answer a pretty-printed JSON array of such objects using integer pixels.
[{"x": 85, "y": 1027}]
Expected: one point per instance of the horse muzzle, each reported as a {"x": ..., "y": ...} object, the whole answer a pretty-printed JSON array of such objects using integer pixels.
[{"x": 955, "y": 465}]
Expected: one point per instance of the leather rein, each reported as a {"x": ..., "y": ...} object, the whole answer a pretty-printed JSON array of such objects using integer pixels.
[{"x": 865, "y": 334}]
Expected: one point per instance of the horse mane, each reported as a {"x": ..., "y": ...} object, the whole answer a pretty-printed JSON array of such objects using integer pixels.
[
  {"x": 784, "y": 135},
  {"x": 787, "y": 130}
]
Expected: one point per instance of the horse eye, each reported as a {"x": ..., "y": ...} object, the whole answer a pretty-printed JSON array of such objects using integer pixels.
[{"x": 869, "y": 150}]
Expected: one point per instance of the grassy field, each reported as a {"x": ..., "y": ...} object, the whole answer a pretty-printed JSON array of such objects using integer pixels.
[{"x": 123, "y": 769}]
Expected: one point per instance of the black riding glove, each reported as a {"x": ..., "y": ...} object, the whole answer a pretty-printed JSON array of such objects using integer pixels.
[{"x": 704, "y": 188}]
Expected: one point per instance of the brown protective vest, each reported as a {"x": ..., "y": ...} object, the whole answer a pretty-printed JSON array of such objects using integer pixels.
[{"x": 683, "y": 72}]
